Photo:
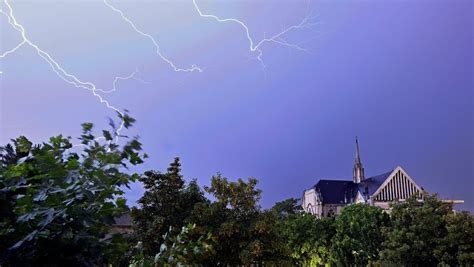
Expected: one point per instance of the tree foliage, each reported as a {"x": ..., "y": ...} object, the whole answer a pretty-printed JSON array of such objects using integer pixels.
[
  {"x": 307, "y": 238},
  {"x": 414, "y": 233},
  {"x": 457, "y": 246},
  {"x": 57, "y": 202},
  {"x": 167, "y": 203},
  {"x": 428, "y": 232},
  {"x": 187, "y": 247},
  {"x": 243, "y": 233},
  {"x": 358, "y": 235},
  {"x": 230, "y": 230},
  {"x": 286, "y": 208}
]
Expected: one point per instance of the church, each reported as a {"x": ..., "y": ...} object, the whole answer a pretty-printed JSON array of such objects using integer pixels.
[{"x": 328, "y": 197}]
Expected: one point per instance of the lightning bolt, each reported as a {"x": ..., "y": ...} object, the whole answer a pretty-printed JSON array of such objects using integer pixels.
[
  {"x": 153, "y": 41},
  {"x": 90, "y": 86},
  {"x": 71, "y": 78},
  {"x": 55, "y": 66},
  {"x": 13, "y": 50},
  {"x": 132, "y": 75},
  {"x": 256, "y": 46}
]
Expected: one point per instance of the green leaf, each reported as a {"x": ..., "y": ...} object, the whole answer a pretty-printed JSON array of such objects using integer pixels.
[
  {"x": 121, "y": 203},
  {"x": 87, "y": 127},
  {"x": 72, "y": 164},
  {"x": 107, "y": 135}
]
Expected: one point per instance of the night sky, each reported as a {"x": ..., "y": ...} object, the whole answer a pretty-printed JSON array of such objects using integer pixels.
[{"x": 397, "y": 74}]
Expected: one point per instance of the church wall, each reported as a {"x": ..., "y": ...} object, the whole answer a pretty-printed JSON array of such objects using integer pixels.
[
  {"x": 359, "y": 198},
  {"x": 311, "y": 204},
  {"x": 382, "y": 205},
  {"x": 336, "y": 209}
]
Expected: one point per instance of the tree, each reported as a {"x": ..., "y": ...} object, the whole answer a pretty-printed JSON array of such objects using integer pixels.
[
  {"x": 58, "y": 201},
  {"x": 285, "y": 208},
  {"x": 428, "y": 232},
  {"x": 358, "y": 235},
  {"x": 242, "y": 198},
  {"x": 307, "y": 238},
  {"x": 241, "y": 232},
  {"x": 167, "y": 203},
  {"x": 457, "y": 246},
  {"x": 230, "y": 230},
  {"x": 187, "y": 247}
]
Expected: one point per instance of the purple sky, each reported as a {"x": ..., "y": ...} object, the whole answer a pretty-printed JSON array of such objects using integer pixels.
[{"x": 398, "y": 74}]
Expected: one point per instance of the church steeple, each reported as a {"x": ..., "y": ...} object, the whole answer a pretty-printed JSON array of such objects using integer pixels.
[{"x": 358, "y": 172}]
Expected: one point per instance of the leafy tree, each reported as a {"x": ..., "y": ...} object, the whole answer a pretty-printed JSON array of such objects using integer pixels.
[
  {"x": 167, "y": 202},
  {"x": 188, "y": 247},
  {"x": 358, "y": 235},
  {"x": 416, "y": 230},
  {"x": 230, "y": 219},
  {"x": 285, "y": 208},
  {"x": 457, "y": 246},
  {"x": 242, "y": 233},
  {"x": 138, "y": 257},
  {"x": 233, "y": 226},
  {"x": 242, "y": 198},
  {"x": 191, "y": 197},
  {"x": 57, "y": 202},
  {"x": 268, "y": 245},
  {"x": 307, "y": 238},
  {"x": 428, "y": 233}
]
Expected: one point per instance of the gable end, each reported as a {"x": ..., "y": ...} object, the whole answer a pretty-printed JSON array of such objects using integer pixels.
[{"x": 398, "y": 186}]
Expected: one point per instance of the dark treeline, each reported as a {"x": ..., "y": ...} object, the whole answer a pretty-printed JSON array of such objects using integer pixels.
[{"x": 58, "y": 204}]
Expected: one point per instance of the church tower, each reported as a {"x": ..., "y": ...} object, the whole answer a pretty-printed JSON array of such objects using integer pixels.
[{"x": 358, "y": 172}]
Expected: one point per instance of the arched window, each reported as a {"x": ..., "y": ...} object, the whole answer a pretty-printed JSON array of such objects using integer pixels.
[
  {"x": 331, "y": 213},
  {"x": 310, "y": 209}
]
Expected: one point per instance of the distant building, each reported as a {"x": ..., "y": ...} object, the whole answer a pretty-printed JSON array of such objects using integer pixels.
[
  {"x": 328, "y": 197},
  {"x": 122, "y": 224}
]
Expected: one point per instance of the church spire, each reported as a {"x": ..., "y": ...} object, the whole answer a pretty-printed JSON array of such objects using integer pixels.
[
  {"x": 358, "y": 172},
  {"x": 357, "y": 159}
]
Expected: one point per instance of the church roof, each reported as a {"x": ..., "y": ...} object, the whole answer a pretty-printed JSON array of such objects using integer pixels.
[
  {"x": 123, "y": 220},
  {"x": 373, "y": 183},
  {"x": 336, "y": 191},
  {"x": 341, "y": 191}
]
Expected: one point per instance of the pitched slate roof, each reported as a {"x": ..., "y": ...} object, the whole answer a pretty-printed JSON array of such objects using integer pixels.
[
  {"x": 373, "y": 183},
  {"x": 342, "y": 191},
  {"x": 123, "y": 220},
  {"x": 336, "y": 191}
]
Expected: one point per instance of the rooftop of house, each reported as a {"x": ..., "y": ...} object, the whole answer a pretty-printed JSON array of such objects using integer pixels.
[{"x": 123, "y": 220}]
